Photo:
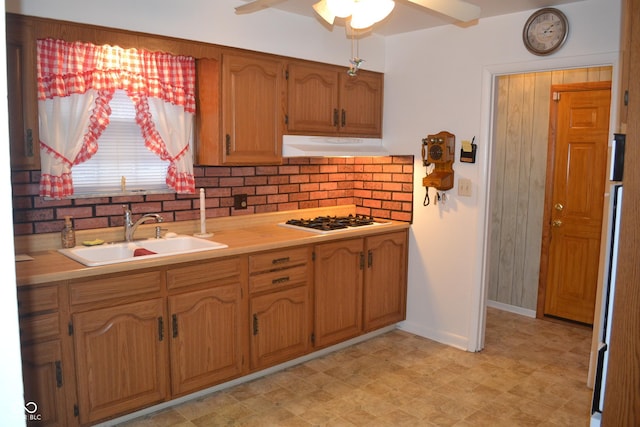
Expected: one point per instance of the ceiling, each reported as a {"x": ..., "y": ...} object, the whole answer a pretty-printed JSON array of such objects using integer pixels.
[{"x": 407, "y": 16}]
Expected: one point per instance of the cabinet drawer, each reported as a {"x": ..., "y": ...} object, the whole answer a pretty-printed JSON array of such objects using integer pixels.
[
  {"x": 203, "y": 273},
  {"x": 35, "y": 300},
  {"x": 117, "y": 287},
  {"x": 278, "y": 259},
  {"x": 39, "y": 327},
  {"x": 278, "y": 279}
]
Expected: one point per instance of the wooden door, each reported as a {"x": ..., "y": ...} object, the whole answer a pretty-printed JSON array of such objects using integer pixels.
[
  {"x": 205, "y": 343},
  {"x": 313, "y": 99},
  {"x": 280, "y": 326},
  {"x": 252, "y": 109},
  {"x": 361, "y": 104},
  {"x": 42, "y": 370},
  {"x": 121, "y": 362},
  {"x": 385, "y": 283},
  {"x": 576, "y": 185},
  {"x": 338, "y": 275}
]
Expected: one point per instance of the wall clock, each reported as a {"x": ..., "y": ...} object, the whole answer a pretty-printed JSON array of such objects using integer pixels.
[{"x": 545, "y": 31}]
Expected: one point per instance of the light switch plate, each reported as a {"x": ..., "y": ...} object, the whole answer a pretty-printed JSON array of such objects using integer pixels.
[{"x": 464, "y": 187}]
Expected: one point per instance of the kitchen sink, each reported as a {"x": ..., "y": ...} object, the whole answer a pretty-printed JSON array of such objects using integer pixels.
[{"x": 114, "y": 253}]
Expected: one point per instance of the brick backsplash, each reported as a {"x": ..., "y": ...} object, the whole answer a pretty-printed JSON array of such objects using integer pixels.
[{"x": 378, "y": 186}]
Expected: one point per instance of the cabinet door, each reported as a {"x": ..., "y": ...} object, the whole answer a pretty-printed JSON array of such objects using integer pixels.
[
  {"x": 280, "y": 326},
  {"x": 207, "y": 141},
  {"x": 313, "y": 99},
  {"x": 44, "y": 381},
  {"x": 22, "y": 94},
  {"x": 206, "y": 346},
  {"x": 252, "y": 109},
  {"x": 121, "y": 361},
  {"x": 385, "y": 284},
  {"x": 338, "y": 274},
  {"x": 361, "y": 104}
]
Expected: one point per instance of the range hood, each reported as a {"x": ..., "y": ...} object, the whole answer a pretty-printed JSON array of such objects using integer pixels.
[{"x": 325, "y": 146}]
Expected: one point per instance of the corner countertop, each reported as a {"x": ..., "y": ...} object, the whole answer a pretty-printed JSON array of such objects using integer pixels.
[{"x": 242, "y": 235}]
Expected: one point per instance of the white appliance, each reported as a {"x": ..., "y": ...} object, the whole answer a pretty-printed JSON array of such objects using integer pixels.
[
  {"x": 606, "y": 310},
  {"x": 324, "y": 146}
]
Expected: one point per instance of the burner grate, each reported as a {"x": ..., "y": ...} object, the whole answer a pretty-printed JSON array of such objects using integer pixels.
[{"x": 328, "y": 223}]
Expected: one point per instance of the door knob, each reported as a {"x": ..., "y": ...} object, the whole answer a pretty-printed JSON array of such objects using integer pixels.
[
  {"x": 556, "y": 223},
  {"x": 559, "y": 206}
]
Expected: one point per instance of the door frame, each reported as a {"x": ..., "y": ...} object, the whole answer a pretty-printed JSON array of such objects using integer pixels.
[
  {"x": 548, "y": 189},
  {"x": 490, "y": 73}
]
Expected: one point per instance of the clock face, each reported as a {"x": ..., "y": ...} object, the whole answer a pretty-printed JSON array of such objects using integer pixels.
[{"x": 545, "y": 31}]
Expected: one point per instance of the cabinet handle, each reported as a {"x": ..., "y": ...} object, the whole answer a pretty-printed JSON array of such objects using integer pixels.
[
  {"x": 344, "y": 118},
  {"x": 335, "y": 117},
  {"x": 369, "y": 259},
  {"x": 174, "y": 325},
  {"x": 255, "y": 324},
  {"x": 228, "y": 144},
  {"x": 160, "y": 329},
  {"x": 28, "y": 147},
  {"x": 280, "y": 280},
  {"x": 280, "y": 260},
  {"x": 361, "y": 260},
  {"x": 58, "y": 374}
]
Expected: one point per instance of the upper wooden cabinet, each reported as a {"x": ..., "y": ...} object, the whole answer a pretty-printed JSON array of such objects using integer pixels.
[
  {"x": 253, "y": 95},
  {"x": 22, "y": 95},
  {"x": 324, "y": 100}
]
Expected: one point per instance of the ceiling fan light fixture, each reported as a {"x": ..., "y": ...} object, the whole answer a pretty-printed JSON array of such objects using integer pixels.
[
  {"x": 368, "y": 12},
  {"x": 341, "y": 8},
  {"x": 323, "y": 10}
]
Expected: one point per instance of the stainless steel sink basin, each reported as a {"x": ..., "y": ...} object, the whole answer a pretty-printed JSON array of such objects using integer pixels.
[{"x": 141, "y": 249}]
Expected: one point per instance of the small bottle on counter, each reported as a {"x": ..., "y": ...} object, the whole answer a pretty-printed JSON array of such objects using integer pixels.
[{"x": 68, "y": 234}]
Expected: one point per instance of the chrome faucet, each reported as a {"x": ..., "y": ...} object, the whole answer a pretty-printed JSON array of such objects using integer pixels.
[{"x": 130, "y": 226}]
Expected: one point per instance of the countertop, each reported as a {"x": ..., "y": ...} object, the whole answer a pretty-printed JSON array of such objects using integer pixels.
[{"x": 242, "y": 234}]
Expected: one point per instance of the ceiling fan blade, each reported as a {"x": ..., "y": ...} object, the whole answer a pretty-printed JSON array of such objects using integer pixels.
[
  {"x": 458, "y": 9},
  {"x": 255, "y": 6},
  {"x": 322, "y": 9}
]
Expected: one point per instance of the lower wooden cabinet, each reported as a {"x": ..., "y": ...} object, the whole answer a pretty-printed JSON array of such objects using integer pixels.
[
  {"x": 338, "y": 274},
  {"x": 280, "y": 307},
  {"x": 206, "y": 338},
  {"x": 280, "y": 327},
  {"x": 44, "y": 393},
  {"x": 121, "y": 362},
  {"x": 47, "y": 369},
  {"x": 97, "y": 349},
  {"x": 385, "y": 280},
  {"x": 360, "y": 285}
]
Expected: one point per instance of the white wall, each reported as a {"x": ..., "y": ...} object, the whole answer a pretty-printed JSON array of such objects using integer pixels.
[
  {"x": 11, "y": 391},
  {"x": 440, "y": 79}
]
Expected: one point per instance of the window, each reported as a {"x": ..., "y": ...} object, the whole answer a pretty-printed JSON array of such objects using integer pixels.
[
  {"x": 121, "y": 153},
  {"x": 114, "y": 120}
]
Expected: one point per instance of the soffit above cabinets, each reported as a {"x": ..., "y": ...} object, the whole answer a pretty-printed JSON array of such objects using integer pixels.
[{"x": 407, "y": 16}]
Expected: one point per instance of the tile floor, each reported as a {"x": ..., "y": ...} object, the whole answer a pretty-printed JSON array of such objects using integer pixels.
[{"x": 531, "y": 373}]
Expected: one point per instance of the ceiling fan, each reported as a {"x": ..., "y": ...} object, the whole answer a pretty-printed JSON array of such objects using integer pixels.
[{"x": 375, "y": 10}]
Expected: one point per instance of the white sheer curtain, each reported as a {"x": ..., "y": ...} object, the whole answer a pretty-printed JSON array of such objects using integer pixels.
[
  {"x": 77, "y": 80},
  {"x": 65, "y": 138}
]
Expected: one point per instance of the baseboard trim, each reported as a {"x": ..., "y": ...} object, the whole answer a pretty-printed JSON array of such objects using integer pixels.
[{"x": 512, "y": 308}]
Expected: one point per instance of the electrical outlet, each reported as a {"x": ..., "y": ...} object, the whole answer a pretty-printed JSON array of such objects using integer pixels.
[
  {"x": 464, "y": 187},
  {"x": 240, "y": 201}
]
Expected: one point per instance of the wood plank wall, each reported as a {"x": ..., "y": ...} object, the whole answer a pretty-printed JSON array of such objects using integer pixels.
[{"x": 518, "y": 177}]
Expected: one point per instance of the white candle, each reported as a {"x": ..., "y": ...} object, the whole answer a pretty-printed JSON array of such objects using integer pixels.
[{"x": 203, "y": 214}]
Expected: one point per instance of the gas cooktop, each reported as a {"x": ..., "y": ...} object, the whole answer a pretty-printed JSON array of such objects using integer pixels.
[{"x": 329, "y": 224}]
